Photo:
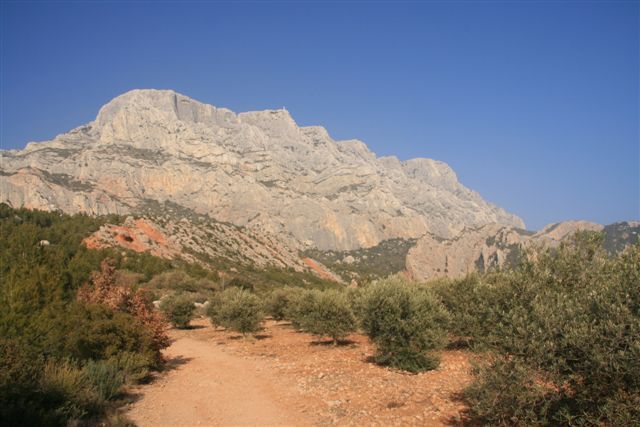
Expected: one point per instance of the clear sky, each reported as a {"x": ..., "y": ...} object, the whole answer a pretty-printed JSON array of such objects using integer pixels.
[{"x": 534, "y": 104}]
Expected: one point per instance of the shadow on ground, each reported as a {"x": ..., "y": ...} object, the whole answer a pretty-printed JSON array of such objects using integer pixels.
[{"x": 339, "y": 343}]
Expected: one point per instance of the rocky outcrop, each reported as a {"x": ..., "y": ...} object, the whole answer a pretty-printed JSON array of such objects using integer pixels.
[
  {"x": 201, "y": 241},
  {"x": 256, "y": 169},
  {"x": 483, "y": 248}
]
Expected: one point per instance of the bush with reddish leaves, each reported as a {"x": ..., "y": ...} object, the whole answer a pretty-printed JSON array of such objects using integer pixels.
[{"x": 102, "y": 290}]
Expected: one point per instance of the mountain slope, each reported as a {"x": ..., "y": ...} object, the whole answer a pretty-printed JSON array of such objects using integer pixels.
[{"x": 255, "y": 169}]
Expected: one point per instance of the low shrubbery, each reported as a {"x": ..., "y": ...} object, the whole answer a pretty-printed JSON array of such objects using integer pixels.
[
  {"x": 102, "y": 290},
  {"x": 562, "y": 335},
  {"x": 178, "y": 309},
  {"x": 325, "y": 313},
  {"x": 276, "y": 303},
  {"x": 300, "y": 303},
  {"x": 406, "y": 322},
  {"x": 236, "y": 309},
  {"x": 64, "y": 359}
]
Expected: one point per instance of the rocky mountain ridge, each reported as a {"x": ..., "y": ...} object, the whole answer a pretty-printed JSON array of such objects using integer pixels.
[
  {"x": 259, "y": 170},
  {"x": 495, "y": 246}
]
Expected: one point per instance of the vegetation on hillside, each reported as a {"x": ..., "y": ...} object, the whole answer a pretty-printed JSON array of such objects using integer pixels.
[
  {"x": 63, "y": 357},
  {"x": 366, "y": 265}
]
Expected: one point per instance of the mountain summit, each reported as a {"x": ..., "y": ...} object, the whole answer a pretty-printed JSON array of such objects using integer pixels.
[{"x": 255, "y": 169}]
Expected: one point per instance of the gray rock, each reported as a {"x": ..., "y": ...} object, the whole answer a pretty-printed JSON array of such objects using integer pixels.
[
  {"x": 255, "y": 169},
  {"x": 483, "y": 248}
]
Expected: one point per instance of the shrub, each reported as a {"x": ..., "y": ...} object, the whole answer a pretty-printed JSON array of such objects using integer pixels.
[
  {"x": 565, "y": 348},
  {"x": 95, "y": 332},
  {"x": 134, "y": 366},
  {"x": 239, "y": 310},
  {"x": 329, "y": 314},
  {"x": 68, "y": 391},
  {"x": 105, "y": 377},
  {"x": 180, "y": 281},
  {"x": 475, "y": 303},
  {"x": 237, "y": 282},
  {"x": 178, "y": 309},
  {"x": 300, "y": 304},
  {"x": 102, "y": 290},
  {"x": 276, "y": 303},
  {"x": 214, "y": 310},
  {"x": 20, "y": 372},
  {"x": 405, "y": 322}
]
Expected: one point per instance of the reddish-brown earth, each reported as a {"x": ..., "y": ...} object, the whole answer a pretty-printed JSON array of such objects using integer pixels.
[
  {"x": 284, "y": 377},
  {"x": 138, "y": 235}
]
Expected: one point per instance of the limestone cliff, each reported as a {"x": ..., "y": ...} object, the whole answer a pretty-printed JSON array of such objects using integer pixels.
[
  {"x": 495, "y": 245},
  {"x": 255, "y": 169}
]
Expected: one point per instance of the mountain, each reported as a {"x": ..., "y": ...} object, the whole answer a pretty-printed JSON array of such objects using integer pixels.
[
  {"x": 494, "y": 246},
  {"x": 147, "y": 149}
]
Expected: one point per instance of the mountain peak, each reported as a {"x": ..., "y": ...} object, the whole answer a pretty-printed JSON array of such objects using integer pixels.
[
  {"x": 141, "y": 101},
  {"x": 256, "y": 169}
]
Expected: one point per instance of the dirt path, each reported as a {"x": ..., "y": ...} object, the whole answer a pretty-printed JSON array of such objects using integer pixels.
[
  {"x": 288, "y": 378},
  {"x": 207, "y": 386}
]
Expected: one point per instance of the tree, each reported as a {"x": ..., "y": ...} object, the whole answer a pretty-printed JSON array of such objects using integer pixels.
[
  {"x": 239, "y": 310},
  {"x": 406, "y": 323}
]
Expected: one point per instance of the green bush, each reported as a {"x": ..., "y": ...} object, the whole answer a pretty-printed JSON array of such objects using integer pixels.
[
  {"x": 276, "y": 303},
  {"x": 214, "y": 310},
  {"x": 69, "y": 392},
  {"x": 406, "y": 323},
  {"x": 476, "y": 304},
  {"x": 135, "y": 367},
  {"x": 106, "y": 377},
  {"x": 301, "y": 302},
  {"x": 95, "y": 332},
  {"x": 238, "y": 310},
  {"x": 20, "y": 372},
  {"x": 329, "y": 314},
  {"x": 240, "y": 283},
  {"x": 565, "y": 348},
  {"x": 178, "y": 309}
]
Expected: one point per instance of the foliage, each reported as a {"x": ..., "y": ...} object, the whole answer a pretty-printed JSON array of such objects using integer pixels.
[
  {"x": 179, "y": 309},
  {"x": 69, "y": 392},
  {"x": 20, "y": 370},
  {"x": 406, "y": 322},
  {"x": 240, "y": 283},
  {"x": 103, "y": 290},
  {"x": 238, "y": 310},
  {"x": 276, "y": 303},
  {"x": 133, "y": 366},
  {"x": 214, "y": 310},
  {"x": 105, "y": 376},
  {"x": 475, "y": 304},
  {"x": 329, "y": 314},
  {"x": 385, "y": 259},
  {"x": 301, "y": 302},
  {"x": 180, "y": 281},
  {"x": 48, "y": 336},
  {"x": 564, "y": 339}
]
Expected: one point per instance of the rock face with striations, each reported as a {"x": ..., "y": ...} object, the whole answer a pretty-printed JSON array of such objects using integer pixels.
[
  {"x": 491, "y": 246},
  {"x": 255, "y": 169}
]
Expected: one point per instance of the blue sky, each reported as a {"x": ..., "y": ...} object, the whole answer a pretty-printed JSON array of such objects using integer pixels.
[{"x": 534, "y": 104}]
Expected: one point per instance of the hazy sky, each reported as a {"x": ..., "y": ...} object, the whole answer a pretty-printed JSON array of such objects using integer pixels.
[{"x": 534, "y": 104}]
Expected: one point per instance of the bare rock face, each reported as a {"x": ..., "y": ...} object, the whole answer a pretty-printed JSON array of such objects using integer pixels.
[
  {"x": 483, "y": 248},
  {"x": 254, "y": 169}
]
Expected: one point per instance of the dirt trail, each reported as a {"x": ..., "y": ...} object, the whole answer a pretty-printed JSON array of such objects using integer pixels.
[
  {"x": 288, "y": 378},
  {"x": 207, "y": 386}
]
